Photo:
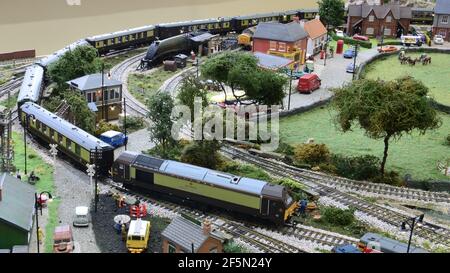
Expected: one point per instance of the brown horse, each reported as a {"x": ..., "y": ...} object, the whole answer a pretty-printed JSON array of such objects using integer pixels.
[
  {"x": 404, "y": 59},
  {"x": 412, "y": 62},
  {"x": 426, "y": 61}
]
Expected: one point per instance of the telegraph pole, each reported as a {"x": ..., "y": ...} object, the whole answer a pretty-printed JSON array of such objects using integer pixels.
[
  {"x": 125, "y": 120},
  {"x": 354, "y": 61}
]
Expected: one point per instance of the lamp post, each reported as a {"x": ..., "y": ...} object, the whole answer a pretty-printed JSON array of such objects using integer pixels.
[
  {"x": 414, "y": 221},
  {"x": 38, "y": 205},
  {"x": 103, "y": 91},
  {"x": 354, "y": 60},
  {"x": 125, "y": 121},
  {"x": 382, "y": 37},
  {"x": 290, "y": 90}
]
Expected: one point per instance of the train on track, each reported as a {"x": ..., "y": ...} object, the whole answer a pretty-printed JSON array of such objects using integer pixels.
[{"x": 195, "y": 185}]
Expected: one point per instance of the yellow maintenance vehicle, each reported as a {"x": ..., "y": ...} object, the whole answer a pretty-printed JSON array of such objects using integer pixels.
[{"x": 138, "y": 236}]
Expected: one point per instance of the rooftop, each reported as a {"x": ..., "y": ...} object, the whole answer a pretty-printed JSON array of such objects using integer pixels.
[
  {"x": 270, "y": 61},
  {"x": 17, "y": 202},
  {"x": 290, "y": 32},
  {"x": 380, "y": 11},
  {"x": 93, "y": 81},
  {"x": 184, "y": 233},
  {"x": 315, "y": 28},
  {"x": 442, "y": 7}
]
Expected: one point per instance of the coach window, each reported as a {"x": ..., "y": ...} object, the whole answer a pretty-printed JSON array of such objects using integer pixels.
[
  {"x": 171, "y": 248},
  {"x": 77, "y": 149},
  {"x": 69, "y": 144},
  {"x": 52, "y": 133},
  {"x": 60, "y": 138},
  {"x": 44, "y": 128},
  {"x": 38, "y": 125}
]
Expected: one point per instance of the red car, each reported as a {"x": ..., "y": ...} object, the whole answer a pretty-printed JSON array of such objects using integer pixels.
[{"x": 360, "y": 37}]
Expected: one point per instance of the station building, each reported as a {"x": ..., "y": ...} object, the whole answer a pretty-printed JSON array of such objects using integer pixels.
[{"x": 107, "y": 104}]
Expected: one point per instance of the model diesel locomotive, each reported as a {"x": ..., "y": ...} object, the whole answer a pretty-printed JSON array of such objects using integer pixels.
[{"x": 196, "y": 185}]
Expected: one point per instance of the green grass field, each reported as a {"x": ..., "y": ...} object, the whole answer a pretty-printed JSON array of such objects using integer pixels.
[
  {"x": 46, "y": 183},
  {"x": 415, "y": 154},
  {"x": 435, "y": 75}
]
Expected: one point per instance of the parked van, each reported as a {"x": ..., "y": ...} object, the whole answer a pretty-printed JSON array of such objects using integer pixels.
[
  {"x": 409, "y": 40},
  {"x": 63, "y": 240},
  {"x": 308, "y": 83},
  {"x": 114, "y": 138}
]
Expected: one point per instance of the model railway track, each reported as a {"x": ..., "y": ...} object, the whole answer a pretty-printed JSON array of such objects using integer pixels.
[
  {"x": 256, "y": 239},
  {"x": 431, "y": 232},
  {"x": 10, "y": 86}
]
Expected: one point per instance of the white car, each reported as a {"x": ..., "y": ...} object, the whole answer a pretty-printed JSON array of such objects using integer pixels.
[
  {"x": 339, "y": 33},
  {"x": 81, "y": 217},
  {"x": 438, "y": 39}
]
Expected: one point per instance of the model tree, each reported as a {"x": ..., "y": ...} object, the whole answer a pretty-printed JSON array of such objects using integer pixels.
[
  {"x": 240, "y": 71},
  {"x": 159, "y": 111},
  {"x": 331, "y": 12},
  {"x": 190, "y": 89},
  {"x": 385, "y": 110}
]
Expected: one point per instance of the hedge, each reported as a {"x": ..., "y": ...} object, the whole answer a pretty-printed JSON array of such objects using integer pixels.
[
  {"x": 399, "y": 43},
  {"x": 351, "y": 41}
]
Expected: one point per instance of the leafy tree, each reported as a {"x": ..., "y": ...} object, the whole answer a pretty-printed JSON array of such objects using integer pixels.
[
  {"x": 338, "y": 216},
  {"x": 160, "y": 109},
  {"x": 73, "y": 64},
  {"x": 189, "y": 90},
  {"x": 240, "y": 71},
  {"x": 202, "y": 153},
  {"x": 331, "y": 12},
  {"x": 385, "y": 110}
]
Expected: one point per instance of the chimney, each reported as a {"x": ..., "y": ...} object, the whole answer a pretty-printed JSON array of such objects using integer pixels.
[{"x": 206, "y": 227}]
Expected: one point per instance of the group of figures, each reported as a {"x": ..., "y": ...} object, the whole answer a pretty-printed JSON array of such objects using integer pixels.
[{"x": 424, "y": 59}]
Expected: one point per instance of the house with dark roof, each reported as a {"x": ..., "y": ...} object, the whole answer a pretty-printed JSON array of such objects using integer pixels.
[
  {"x": 441, "y": 20},
  {"x": 283, "y": 40},
  {"x": 107, "y": 104},
  {"x": 373, "y": 20},
  {"x": 183, "y": 235},
  {"x": 317, "y": 35},
  {"x": 17, "y": 202}
]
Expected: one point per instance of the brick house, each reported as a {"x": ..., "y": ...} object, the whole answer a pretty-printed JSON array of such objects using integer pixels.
[
  {"x": 370, "y": 20},
  {"x": 186, "y": 236},
  {"x": 90, "y": 86},
  {"x": 284, "y": 40},
  {"x": 441, "y": 21}
]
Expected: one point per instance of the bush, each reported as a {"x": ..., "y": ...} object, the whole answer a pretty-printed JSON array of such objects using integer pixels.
[
  {"x": 350, "y": 41},
  {"x": 171, "y": 152},
  {"x": 296, "y": 189},
  {"x": 104, "y": 126},
  {"x": 390, "y": 178},
  {"x": 399, "y": 43},
  {"x": 202, "y": 153},
  {"x": 447, "y": 140},
  {"x": 360, "y": 167},
  {"x": 311, "y": 153},
  {"x": 243, "y": 170},
  {"x": 133, "y": 123},
  {"x": 285, "y": 148},
  {"x": 232, "y": 247},
  {"x": 336, "y": 216}
]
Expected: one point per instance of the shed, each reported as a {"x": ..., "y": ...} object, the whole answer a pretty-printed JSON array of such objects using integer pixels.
[
  {"x": 17, "y": 202},
  {"x": 181, "y": 60},
  {"x": 183, "y": 236}
]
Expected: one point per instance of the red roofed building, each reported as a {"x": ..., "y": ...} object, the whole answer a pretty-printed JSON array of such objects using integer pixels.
[
  {"x": 317, "y": 35},
  {"x": 283, "y": 40}
]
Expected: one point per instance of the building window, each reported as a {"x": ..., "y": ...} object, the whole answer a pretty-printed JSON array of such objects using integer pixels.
[
  {"x": 371, "y": 18},
  {"x": 171, "y": 248},
  {"x": 388, "y": 19},
  {"x": 282, "y": 47},
  {"x": 94, "y": 97},
  {"x": 117, "y": 94},
  {"x": 369, "y": 31},
  {"x": 273, "y": 45},
  {"x": 89, "y": 97},
  {"x": 444, "y": 19},
  {"x": 111, "y": 94},
  {"x": 443, "y": 33},
  {"x": 387, "y": 31}
]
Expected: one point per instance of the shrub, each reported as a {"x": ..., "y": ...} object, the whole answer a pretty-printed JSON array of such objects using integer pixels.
[
  {"x": 243, "y": 170},
  {"x": 327, "y": 167},
  {"x": 232, "y": 247},
  {"x": 399, "y": 43},
  {"x": 171, "y": 152},
  {"x": 447, "y": 140},
  {"x": 336, "y": 216},
  {"x": 360, "y": 167},
  {"x": 297, "y": 191},
  {"x": 285, "y": 148},
  {"x": 104, "y": 126},
  {"x": 311, "y": 153},
  {"x": 350, "y": 41},
  {"x": 133, "y": 123},
  {"x": 202, "y": 153},
  {"x": 31, "y": 156},
  {"x": 391, "y": 178}
]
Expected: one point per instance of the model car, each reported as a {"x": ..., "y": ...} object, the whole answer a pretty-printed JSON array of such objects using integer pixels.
[
  {"x": 349, "y": 53},
  {"x": 81, "y": 217},
  {"x": 350, "y": 67},
  {"x": 438, "y": 39},
  {"x": 339, "y": 33},
  {"x": 385, "y": 49},
  {"x": 360, "y": 37}
]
